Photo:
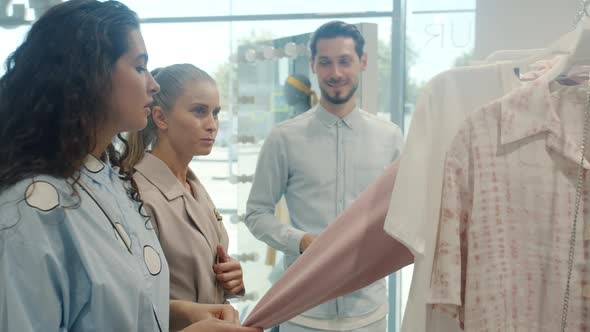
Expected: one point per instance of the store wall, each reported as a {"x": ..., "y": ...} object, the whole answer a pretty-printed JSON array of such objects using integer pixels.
[{"x": 521, "y": 24}]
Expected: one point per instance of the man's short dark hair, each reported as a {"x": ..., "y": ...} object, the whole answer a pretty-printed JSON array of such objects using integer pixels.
[{"x": 335, "y": 29}]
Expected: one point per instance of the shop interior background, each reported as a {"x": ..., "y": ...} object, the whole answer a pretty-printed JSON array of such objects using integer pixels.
[{"x": 250, "y": 46}]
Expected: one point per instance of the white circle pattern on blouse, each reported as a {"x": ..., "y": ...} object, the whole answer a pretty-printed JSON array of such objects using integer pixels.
[{"x": 42, "y": 195}]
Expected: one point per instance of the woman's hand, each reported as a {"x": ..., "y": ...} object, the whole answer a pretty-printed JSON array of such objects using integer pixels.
[
  {"x": 229, "y": 272},
  {"x": 216, "y": 325},
  {"x": 185, "y": 313}
]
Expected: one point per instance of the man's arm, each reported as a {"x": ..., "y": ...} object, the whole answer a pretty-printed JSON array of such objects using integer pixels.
[{"x": 270, "y": 182}]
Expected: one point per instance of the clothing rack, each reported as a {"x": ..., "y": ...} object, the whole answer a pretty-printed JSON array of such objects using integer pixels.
[{"x": 583, "y": 11}]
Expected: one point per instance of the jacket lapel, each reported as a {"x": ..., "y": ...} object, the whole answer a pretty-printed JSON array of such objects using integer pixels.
[
  {"x": 204, "y": 201},
  {"x": 158, "y": 173},
  {"x": 201, "y": 218}
]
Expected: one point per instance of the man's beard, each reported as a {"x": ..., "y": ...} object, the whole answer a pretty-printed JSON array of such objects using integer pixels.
[{"x": 337, "y": 100}]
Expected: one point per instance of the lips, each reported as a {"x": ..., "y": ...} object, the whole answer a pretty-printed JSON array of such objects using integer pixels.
[
  {"x": 148, "y": 107},
  {"x": 337, "y": 84}
]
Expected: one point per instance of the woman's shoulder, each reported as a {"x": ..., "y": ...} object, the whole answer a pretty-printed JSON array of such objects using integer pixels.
[
  {"x": 155, "y": 182},
  {"x": 41, "y": 192},
  {"x": 146, "y": 188},
  {"x": 34, "y": 210}
]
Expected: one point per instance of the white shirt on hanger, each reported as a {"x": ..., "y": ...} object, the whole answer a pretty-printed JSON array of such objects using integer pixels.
[{"x": 414, "y": 210}]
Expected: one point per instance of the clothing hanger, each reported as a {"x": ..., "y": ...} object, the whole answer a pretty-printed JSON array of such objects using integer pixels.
[
  {"x": 513, "y": 55},
  {"x": 574, "y": 45},
  {"x": 521, "y": 59}
]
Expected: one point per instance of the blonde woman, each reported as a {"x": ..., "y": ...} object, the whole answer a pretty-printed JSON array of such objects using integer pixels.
[{"x": 183, "y": 123}]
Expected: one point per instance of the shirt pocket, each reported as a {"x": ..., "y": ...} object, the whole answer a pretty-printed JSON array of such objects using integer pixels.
[{"x": 364, "y": 176}]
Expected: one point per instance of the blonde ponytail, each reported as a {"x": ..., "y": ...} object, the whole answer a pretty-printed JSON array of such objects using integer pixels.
[{"x": 134, "y": 150}]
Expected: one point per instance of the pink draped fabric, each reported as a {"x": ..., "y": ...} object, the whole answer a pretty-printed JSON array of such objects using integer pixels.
[{"x": 351, "y": 253}]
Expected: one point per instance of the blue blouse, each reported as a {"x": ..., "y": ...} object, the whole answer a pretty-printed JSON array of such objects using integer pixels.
[{"x": 83, "y": 261}]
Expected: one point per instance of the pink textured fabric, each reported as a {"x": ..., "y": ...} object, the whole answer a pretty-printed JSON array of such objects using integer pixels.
[
  {"x": 508, "y": 204},
  {"x": 350, "y": 254}
]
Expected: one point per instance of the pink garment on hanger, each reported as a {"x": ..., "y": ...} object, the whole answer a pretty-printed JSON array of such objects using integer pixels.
[{"x": 350, "y": 254}]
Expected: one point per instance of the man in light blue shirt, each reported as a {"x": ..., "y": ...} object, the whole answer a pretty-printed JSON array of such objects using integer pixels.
[{"x": 321, "y": 161}]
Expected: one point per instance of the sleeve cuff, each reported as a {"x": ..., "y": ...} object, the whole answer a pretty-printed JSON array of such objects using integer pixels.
[
  {"x": 239, "y": 295},
  {"x": 294, "y": 245}
]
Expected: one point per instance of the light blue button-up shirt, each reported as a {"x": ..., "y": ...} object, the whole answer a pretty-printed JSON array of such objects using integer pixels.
[
  {"x": 64, "y": 266},
  {"x": 321, "y": 164}
]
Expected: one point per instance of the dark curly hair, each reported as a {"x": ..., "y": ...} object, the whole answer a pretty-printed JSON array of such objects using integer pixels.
[{"x": 57, "y": 87}]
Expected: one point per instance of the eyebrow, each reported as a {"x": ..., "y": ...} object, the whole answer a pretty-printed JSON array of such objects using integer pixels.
[
  {"x": 218, "y": 108},
  {"x": 142, "y": 56},
  {"x": 346, "y": 55}
]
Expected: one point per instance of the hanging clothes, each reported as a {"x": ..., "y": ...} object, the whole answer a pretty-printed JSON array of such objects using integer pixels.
[
  {"x": 413, "y": 211},
  {"x": 501, "y": 257}
]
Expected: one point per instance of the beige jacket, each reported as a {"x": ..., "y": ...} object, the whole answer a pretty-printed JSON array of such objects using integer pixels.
[{"x": 187, "y": 227}]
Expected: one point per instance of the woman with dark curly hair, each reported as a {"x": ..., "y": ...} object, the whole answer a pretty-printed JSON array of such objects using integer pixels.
[{"x": 76, "y": 251}]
